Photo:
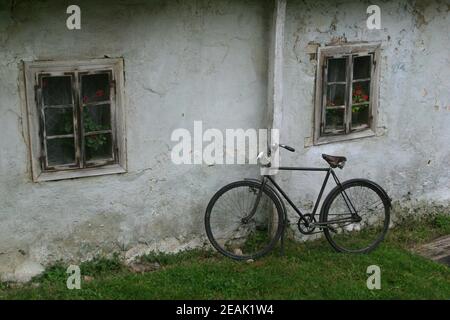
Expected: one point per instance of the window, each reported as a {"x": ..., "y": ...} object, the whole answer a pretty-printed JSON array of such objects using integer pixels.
[
  {"x": 76, "y": 118},
  {"x": 346, "y": 92}
]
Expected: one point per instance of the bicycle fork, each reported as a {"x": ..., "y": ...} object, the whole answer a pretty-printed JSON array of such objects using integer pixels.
[
  {"x": 246, "y": 219},
  {"x": 256, "y": 204}
]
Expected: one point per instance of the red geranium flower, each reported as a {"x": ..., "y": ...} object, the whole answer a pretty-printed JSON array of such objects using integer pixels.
[
  {"x": 85, "y": 99},
  {"x": 99, "y": 93},
  {"x": 366, "y": 97}
]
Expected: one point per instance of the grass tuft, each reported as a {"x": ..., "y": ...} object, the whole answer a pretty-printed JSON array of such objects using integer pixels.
[
  {"x": 310, "y": 270},
  {"x": 167, "y": 259}
]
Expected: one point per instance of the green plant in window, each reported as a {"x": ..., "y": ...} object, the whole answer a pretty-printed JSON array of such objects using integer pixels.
[
  {"x": 94, "y": 142},
  {"x": 359, "y": 96},
  {"x": 68, "y": 123}
]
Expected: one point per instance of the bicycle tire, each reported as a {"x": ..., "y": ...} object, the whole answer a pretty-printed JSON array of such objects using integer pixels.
[
  {"x": 274, "y": 238},
  {"x": 332, "y": 236}
]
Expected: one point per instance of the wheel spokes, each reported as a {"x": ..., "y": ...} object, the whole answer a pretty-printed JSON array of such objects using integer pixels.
[
  {"x": 238, "y": 230},
  {"x": 361, "y": 234}
]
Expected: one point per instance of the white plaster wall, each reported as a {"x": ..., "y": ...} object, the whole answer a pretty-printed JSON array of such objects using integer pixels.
[
  {"x": 410, "y": 157},
  {"x": 207, "y": 60},
  {"x": 184, "y": 61}
]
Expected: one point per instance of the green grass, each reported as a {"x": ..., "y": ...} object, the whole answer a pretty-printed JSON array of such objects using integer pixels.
[{"x": 310, "y": 270}]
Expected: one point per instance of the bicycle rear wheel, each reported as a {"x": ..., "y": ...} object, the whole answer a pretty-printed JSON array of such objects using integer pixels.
[
  {"x": 238, "y": 231},
  {"x": 369, "y": 202}
]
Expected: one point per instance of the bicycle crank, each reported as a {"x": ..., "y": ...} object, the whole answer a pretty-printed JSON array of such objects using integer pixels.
[{"x": 307, "y": 230}]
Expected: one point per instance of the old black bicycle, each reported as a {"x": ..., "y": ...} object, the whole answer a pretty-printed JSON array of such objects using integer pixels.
[{"x": 245, "y": 219}]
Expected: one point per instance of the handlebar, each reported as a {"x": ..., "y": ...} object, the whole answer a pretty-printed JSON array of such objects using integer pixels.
[
  {"x": 287, "y": 147},
  {"x": 265, "y": 159}
]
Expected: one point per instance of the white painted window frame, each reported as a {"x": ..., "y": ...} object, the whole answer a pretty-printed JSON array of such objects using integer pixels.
[
  {"x": 31, "y": 71},
  {"x": 335, "y": 51}
]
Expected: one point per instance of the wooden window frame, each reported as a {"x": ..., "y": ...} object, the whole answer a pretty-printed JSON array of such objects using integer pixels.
[
  {"x": 349, "y": 51},
  {"x": 33, "y": 73}
]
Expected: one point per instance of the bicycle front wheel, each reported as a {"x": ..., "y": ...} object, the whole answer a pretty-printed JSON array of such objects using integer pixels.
[
  {"x": 356, "y": 216},
  {"x": 239, "y": 225}
]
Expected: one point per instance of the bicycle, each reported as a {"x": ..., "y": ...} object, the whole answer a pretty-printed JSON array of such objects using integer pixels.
[{"x": 245, "y": 219}]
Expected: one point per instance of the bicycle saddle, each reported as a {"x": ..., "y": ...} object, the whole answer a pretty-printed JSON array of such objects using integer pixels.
[{"x": 334, "y": 161}]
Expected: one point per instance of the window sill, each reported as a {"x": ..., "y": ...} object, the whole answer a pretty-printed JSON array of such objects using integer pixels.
[
  {"x": 345, "y": 137},
  {"x": 82, "y": 173}
]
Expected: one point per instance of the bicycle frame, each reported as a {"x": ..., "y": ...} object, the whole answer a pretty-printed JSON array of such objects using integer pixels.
[
  {"x": 329, "y": 171},
  {"x": 335, "y": 217}
]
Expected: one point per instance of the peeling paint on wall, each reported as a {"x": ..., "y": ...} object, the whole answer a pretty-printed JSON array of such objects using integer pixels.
[
  {"x": 192, "y": 60},
  {"x": 408, "y": 156}
]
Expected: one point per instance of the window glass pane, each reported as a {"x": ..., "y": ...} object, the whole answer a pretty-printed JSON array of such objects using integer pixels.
[
  {"x": 361, "y": 92},
  {"x": 97, "y": 118},
  {"x": 336, "y": 95},
  {"x": 95, "y": 87},
  {"x": 360, "y": 116},
  {"x": 60, "y": 151},
  {"x": 98, "y": 147},
  {"x": 337, "y": 69},
  {"x": 334, "y": 120},
  {"x": 57, "y": 90},
  {"x": 58, "y": 121},
  {"x": 361, "y": 67}
]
